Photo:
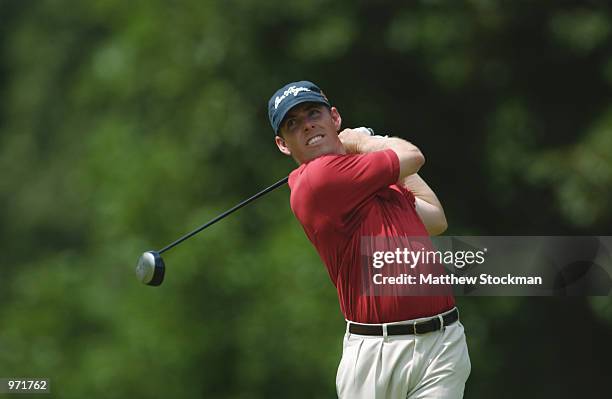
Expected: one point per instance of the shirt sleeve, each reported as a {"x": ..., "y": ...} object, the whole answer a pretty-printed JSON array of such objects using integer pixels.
[{"x": 342, "y": 183}]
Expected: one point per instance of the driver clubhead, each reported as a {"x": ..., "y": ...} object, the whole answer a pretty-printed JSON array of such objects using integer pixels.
[{"x": 150, "y": 269}]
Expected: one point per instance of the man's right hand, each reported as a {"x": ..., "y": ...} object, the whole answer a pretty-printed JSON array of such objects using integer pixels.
[{"x": 354, "y": 139}]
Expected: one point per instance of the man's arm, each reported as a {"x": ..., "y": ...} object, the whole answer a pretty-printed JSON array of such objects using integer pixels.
[
  {"x": 410, "y": 157},
  {"x": 428, "y": 206}
]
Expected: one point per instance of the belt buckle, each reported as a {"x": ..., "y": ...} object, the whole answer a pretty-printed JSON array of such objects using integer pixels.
[{"x": 414, "y": 327}]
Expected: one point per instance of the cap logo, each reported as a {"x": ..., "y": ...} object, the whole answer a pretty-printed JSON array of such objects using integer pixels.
[{"x": 292, "y": 90}]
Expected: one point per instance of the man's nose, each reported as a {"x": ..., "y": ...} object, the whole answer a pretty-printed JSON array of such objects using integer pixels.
[{"x": 307, "y": 123}]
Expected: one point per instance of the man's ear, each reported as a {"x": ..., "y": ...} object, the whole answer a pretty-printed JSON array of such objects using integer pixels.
[
  {"x": 282, "y": 146},
  {"x": 336, "y": 118}
]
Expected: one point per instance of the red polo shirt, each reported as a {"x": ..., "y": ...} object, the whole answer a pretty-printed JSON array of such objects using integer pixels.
[{"x": 339, "y": 199}]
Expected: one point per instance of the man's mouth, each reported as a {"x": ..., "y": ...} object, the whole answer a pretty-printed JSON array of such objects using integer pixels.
[{"x": 314, "y": 139}]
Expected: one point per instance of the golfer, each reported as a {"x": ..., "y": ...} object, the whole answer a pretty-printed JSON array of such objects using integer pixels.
[{"x": 350, "y": 186}]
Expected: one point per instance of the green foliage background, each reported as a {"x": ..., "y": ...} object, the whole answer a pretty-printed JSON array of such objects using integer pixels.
[{"x": 125, "y": 124}]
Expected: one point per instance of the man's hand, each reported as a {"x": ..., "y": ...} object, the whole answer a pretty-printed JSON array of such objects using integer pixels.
[{"x": 354, "y": 139}]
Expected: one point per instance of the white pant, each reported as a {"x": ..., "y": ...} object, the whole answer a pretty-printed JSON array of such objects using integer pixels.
[{"x": 432, "y": 365}]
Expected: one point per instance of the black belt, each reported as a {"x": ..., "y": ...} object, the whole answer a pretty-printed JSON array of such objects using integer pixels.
[{"x": 422, "y": 327}]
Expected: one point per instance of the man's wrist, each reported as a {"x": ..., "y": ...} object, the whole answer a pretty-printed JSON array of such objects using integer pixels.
[
  {"x": 372, "y": 133},
  {"x": 374, "y": 143},
  {"x": 362, "y": 139}
]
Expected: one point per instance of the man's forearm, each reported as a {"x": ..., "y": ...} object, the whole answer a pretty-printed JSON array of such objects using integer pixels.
[
  {"x": 427, "y": 205},
  {"x": 420, "y": 189},
  {"x": 378, "y": 143},
  {"x": 410, "y": 157}
]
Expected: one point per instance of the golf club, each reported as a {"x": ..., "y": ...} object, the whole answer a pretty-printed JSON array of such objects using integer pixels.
[{"x": 151, "y": 269}]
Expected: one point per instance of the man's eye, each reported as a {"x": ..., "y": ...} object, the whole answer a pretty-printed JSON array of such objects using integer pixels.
[
  {"x": 314, "y": 112},
  {"x": 290, "y": 123}
]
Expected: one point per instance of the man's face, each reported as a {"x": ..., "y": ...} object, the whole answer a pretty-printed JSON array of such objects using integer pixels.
[{"x": 308, "y": 131}]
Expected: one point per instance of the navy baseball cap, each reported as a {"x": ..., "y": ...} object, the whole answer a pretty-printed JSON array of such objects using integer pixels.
[{"x": 291, "y": 95}]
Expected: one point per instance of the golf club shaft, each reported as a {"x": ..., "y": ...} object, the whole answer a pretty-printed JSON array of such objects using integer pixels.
[{"x": 224, "y": 214}]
